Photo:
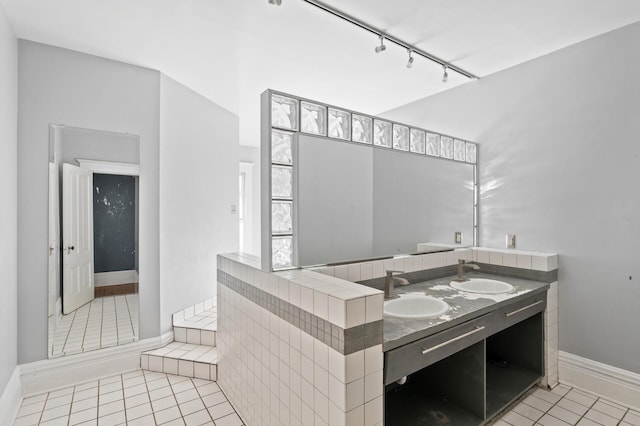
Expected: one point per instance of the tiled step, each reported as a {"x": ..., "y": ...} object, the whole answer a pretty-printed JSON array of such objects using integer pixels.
[
  {"x": 198, "y": 329},
  {"x": 183, "y": 359}
]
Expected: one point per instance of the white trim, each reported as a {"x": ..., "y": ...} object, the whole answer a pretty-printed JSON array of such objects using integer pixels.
[
  {"x": 11, "y": 398},
  {"x": 50, "y": 374},
  {"x": 115, "y": 277},
  {"x": 109, "y": 167},
  {"x": 609, "y": 382}
]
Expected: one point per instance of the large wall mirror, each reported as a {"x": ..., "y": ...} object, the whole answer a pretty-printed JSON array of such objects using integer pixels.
[
  {"x": 355, "y": 202},
  {"x": 342, "y": 186},
  {"x": 93, "y": 239}
]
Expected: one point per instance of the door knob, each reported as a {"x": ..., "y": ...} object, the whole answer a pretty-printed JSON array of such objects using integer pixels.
[
  {"x": 51, "y": 249},
  {"x": 70, "y": 249}
]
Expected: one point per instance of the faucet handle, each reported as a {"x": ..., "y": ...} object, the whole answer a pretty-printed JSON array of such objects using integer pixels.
[{"x": 390, "y": 272}]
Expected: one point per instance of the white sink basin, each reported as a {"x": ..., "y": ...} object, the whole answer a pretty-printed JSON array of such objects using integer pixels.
[
  {"x": 482, "y": 285},
  {"x": 415, "y": 306}
]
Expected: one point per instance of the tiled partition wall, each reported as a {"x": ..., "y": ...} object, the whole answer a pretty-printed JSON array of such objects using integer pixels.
[
  {"x": 305, "y": 347},
  {"x": 298, "y": 347}
]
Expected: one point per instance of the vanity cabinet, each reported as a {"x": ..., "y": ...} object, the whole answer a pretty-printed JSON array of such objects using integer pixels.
[{"x": 468, "y": 373}]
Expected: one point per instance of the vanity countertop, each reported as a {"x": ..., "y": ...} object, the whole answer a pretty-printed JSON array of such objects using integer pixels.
[{"x": 463, "y": 306}]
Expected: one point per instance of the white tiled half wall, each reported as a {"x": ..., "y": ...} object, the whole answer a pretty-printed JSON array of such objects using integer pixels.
[{"x": 275, "y": 373}]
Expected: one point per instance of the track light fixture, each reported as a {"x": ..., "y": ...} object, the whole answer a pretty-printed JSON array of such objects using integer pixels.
[
  {"x": 413, "y": 50},
  {"x": 275, "y": 2},
  {"x": 445, "y": 75},
  {"x": 410, "y": 61},
  {"x": 382, "y": 47}
]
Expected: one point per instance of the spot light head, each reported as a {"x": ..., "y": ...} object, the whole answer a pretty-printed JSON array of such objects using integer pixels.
[
  {"x": 445, "y": 75},
  {"x": 410, "y": 61},
  {"x": 275, "y": 2},
  {"x": 382, "y": 47}
]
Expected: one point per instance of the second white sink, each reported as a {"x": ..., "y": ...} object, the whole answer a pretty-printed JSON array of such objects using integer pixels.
[
  {"x": 416, "y": 306},
  {"x": 482, "y": 285}
]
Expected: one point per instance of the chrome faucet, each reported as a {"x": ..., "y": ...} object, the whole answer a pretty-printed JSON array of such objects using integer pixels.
[
  {"x": 461, "y": 267},
  {"x": 388, "y": 284}
]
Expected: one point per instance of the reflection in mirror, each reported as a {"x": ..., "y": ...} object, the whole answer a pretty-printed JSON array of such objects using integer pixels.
[
  {"x": 93, "y": 239},
  {"x": 357, "y": 202}
]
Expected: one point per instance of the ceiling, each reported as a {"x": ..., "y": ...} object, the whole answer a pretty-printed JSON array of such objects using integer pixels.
[{"x": 231, "y": 50}]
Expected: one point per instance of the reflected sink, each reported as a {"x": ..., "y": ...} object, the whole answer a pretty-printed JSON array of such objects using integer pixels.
[
  {"x": 483, "y": 286},
  {"x": 415, "y": 306}
]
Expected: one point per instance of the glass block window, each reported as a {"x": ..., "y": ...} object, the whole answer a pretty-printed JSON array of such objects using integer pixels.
[
  {"x": 282, "y": 252},
  {"x": 339, "y": 124},
  {"x": 400, "y": 137},
  {"x": 284, "y": 112},
  {"x": 382, "y": 133},
  {"x": 417, "y": 144},
  {"x": 471, "y": 152},
  {"x": 281, "y": 182},
  {"x": 281, "y": 218},
  {"x": 361, "y": 128},
  {"x": 446, "y": 147},
  {"x": 433, "y": 144},
  {"x": 459, "y": 150},
  {"x": 313, "y": 118},
  {"x": 281, "y": 147}
]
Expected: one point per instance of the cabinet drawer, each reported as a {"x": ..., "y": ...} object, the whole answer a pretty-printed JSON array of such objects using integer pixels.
[
  {"x": 514, "y": 313},
  {"x": 416, "y": 355}
]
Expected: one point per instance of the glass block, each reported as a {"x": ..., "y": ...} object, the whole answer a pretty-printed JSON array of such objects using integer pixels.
[
  {"x": 471, "y": 153},
  {"x": 281, "y": 186},
  {"x": 382, "y": 133},
  {"x": 417, "y": 141},
  {"x": 459, "y": 150},
  {"x": 446, "y": 147},
  {"x": 284, "y": 112},
  {"x": 281, "y": 147},
  {"x": 281, "y": 218},
  {"x": 433, "y": 144},
  {"x": 400, "y": 137},
  {"x": 313, "y": 118},
  {"x": 281, "y": 252},
  {"x": 339, "y": 124},
  {"x": 361, "y": 128}
]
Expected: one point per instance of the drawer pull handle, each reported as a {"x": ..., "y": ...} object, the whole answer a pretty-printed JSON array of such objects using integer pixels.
[
  {"x": 517, "y": 311},
  {"x": 462, "y": 336}
]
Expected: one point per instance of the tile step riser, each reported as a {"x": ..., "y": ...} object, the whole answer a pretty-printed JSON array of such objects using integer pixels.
[
  {"x": 179, "y": 367},
  {"x": 194, "y": 336}
]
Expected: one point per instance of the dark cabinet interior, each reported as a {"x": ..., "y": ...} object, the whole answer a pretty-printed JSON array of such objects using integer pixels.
[{"x": 474, "y": 384}]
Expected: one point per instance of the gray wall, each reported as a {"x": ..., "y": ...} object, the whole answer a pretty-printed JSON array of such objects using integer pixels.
[
  {"x": 64, "y": 87},
  {"x": 8, "y": 195},
  {"x": 199, "y": 183},
  {"x": 560, "y": 164}
]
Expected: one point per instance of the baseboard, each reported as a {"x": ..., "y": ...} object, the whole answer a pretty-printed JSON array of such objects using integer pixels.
[
  {"x": 11, "y": 398},
  {"x": 115, "y": 277},
  {"x": 609, "y": 382},
  {"x": 51, "y": 374},
  {"x": 115, "y": 290}
]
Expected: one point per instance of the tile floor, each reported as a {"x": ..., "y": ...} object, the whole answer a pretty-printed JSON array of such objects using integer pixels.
[
  {"x": 106, "y": 321},
  {"x": 135, "y": 398},
  {"x": 565, "y": 406}
]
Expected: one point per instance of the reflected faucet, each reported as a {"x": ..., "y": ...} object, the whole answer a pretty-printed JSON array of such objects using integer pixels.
[
  {"x": 388, "y": 284},
  {"x": 461, "y": 267}
]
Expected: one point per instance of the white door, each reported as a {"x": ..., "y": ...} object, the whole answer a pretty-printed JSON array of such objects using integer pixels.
[{"x": 77, "y": 237}]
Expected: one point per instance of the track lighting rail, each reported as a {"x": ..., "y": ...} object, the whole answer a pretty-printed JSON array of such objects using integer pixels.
[{"x": 337, "y": 13}]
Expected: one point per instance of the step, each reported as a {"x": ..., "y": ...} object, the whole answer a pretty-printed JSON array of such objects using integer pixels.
[
  {"x": 198, "y": 329},
  {"x": 183, "y": 359}
]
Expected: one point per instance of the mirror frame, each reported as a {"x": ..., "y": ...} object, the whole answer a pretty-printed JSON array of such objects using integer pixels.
[{"x": 268, "y": 165}]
